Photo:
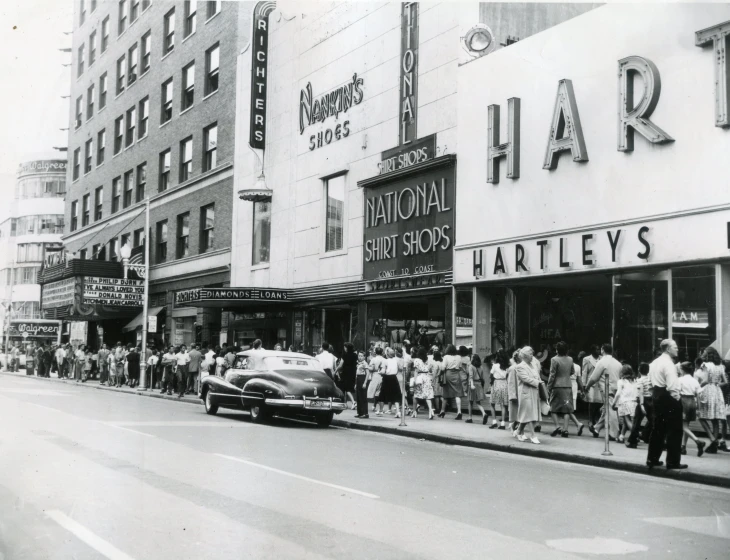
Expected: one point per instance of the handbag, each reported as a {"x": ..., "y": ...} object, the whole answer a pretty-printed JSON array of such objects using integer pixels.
[
  {"x": 442, "y": 378},
  {"x": 544, "y": 408},
  {"x": 543, "y": 392}
]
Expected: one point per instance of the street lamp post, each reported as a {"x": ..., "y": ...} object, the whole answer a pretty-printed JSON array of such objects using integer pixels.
[{"x": 9, "y": 316}]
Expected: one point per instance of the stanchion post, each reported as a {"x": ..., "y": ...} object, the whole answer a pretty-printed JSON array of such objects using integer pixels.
[
  {"x": 607, "y": 410},
  {"x": 403, "y": 399}
]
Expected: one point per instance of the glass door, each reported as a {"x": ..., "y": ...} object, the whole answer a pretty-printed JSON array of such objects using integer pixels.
[{"x": 640, "y": 315}]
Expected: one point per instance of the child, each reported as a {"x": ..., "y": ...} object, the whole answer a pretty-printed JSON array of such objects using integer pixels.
[
  {"x": 362, "y": 375},
  {"x": 500, "y": 395},
  {"x": 152, "y": 371},
  {"x": 689, "y": 389},
  {"x": 476, "y": 389},
  {"x": 625, "y": 400}
]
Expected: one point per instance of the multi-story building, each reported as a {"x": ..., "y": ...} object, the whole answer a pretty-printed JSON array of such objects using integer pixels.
[
  {"x": 152, "y": 98},
  {"x": 31, "y": 225}
]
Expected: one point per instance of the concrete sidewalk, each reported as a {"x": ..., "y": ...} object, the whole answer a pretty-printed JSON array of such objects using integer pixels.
[{"x": 587, "y": 450}]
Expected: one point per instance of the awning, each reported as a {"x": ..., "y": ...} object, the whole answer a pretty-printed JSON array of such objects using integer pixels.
[{"x": 135, "y": 323}]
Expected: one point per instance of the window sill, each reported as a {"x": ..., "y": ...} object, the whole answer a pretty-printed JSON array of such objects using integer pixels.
[
  {"x": 129, "y": 86},
  {"x": 168, "y": 53},
  {"x": 143, "y": 137},
  {"x": 211, "y": 94},
  {"x": 118, "y": 153},
  {"x": 330, "y": 254},
  {"x": 89, "y": 119},
  {"x": 100, "y": 110},
  {"x": 143, "y": 74},
  {"x": 260, "y": 266},
  {"x": 118, "y": 94},
  {"x": 188, "y": 37},
  {"x": 213, "y": 16},
  {"x": 128, "y": 147},
  {"x": 166, "y": 123},
  {"x": 86, "y": 173},
  {"x": 186, "y": 110},
  {"x": 99, "y": 165}
]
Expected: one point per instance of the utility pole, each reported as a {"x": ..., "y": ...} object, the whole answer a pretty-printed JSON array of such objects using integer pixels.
[{"x": 9, "y": 316}]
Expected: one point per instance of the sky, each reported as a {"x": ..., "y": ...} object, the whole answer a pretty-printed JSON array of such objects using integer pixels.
[{"x": 31, "y": 108}]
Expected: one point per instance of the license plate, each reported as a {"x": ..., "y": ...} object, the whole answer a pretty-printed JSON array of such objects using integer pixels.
[{"x": 311, "y": 403}]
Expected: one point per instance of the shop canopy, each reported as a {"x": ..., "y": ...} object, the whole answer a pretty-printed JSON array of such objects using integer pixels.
[{"x": 136, "y": 323}]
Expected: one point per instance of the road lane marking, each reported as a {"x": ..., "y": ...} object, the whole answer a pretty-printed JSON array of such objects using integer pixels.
[
  {"x": 299, "y": 477},
  {"x": 126, "y": 429},
  {"x": 103, "y": 547},
  {"x": 596, "y": 545}
]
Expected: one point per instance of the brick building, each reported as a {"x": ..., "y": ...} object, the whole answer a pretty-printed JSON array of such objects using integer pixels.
[{"x": 153, "y": 91}]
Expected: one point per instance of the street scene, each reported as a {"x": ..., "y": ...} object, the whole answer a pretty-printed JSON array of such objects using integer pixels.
[{"x": 375, "y": 279}]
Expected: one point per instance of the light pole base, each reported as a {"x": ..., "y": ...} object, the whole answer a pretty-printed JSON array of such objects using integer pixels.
[{"x": 607, "y": 453}]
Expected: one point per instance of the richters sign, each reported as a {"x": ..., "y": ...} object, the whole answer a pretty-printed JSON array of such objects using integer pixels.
[
  {"x": 113, "y": 291},
  {"x": 232, "y": 295},
  {"x": 409, "y": 225},
  {"x": 259, "y": 74}
]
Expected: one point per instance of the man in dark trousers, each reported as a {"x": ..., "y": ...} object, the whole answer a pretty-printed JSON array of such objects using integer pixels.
[{"x": 667, "y": 409}]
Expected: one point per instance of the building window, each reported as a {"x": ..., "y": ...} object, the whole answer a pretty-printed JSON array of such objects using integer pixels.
[
  {"x": 141, "y": 181},
  {"x": 131, "y": 125},
  {"x": 30, "y": 252},
  {"x": 207, "y": 227},
  {"x": 80, "y": 61},
  {"x": 145, "y": 4},
  {"x": 138, "y": 238},
  {"x": 116, "y": 193},
  {"x": 132, "y": 64},
  {"x": 82, "y": 13},
  {"x": 161, "y": 255},
  {"x": 98, "y": 203},
  {"x": 113, "y": 250},
  {"x": 335, "y": 196},
  {"x": 213, "y": 8},
  {"x": 74, "y": 215},
  {"x": 166, "y": 111},
  {"x": 122, "y": 17},
  {"x": 212, "y": 63},
  {"x": 77, "y": 163},
  {"x": 100, "y": 147},
  {"x": 144, "y": 117},
  {"x": 183, "y": 235},
  {"x": 146, "y": 51},
  {"x": 79, "y": 111},
  {"x": 82, "y": 254},
  {"x": 191, "y": 8},
  {"x": 105, "y": 34},
  {"x": 88, "y": 155},
  {"x": 188, "y": 95},
  {"x": 85, "y": 211},
  {"x": 92, "y": 48},
  {"x": 164, "y": 181},
  {"x": 133, "y": 11},
  {"x": 118, "y": 135},
  {"x": 261, "y": 232},
  {"x": 121, "y": 73},
  {"x": 90, "y": 102},
  {"x": 102, "y": 91},
  {"x": 210, "y": 147},
  {"x": 93, "y": 6},
  {"x": 98, "y": 252},
  {"x": 169, "y": 27},
  {"x": 128, "y": 188},
  {"x": 186, "y": 159}
]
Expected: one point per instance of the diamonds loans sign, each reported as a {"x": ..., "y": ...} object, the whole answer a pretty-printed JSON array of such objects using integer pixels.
[{"x": 113, "y": 291}]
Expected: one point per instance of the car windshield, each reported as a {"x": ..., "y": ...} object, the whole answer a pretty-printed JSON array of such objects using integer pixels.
[{"x": 274, "y": 363}]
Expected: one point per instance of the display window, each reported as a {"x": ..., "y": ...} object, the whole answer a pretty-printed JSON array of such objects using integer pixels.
[{"x": 421, "y": 321}]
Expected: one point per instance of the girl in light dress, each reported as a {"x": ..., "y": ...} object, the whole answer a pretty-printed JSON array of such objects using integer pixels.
[
  {"x": 711, "y": 402},
  {"x": 436, "y": 368},
  {"x": 625, "y": 400},
  {"x": 500, "y": 394},
  {"x": 423, "y": 389}
]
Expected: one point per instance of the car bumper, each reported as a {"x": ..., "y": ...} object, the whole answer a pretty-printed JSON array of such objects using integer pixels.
[{"x": 300, "y": 403}]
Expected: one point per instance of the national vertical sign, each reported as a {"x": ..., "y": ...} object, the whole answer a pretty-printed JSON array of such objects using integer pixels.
[{"x": 408, "y": 73}]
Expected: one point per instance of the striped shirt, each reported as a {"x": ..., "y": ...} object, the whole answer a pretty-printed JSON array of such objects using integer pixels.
[{"x": 644, "y": 385}]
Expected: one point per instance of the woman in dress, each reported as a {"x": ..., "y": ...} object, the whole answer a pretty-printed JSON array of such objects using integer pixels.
[
  {"x": 560, "y": 391},
  {"x": 423, "y": 388},
  {"x": 500, "y": 395},
  {"x": 377, "y": 364},
  {"x": 133, "y": 366},
  {"x": 436, "y": 368},
  {"x": 528, "y": 411},
  {"x": 453, "y": 389},
  {"x": 390, "y": 390},
  {"x": 712, "y": 404},
  {"x": 347, "y": 372},
  {"x": 476, "y": 388},
  {"x": 513, "y": 392}
]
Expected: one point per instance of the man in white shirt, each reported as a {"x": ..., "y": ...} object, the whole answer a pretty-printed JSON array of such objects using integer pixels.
[
  {"x": 611, "y": 367},
  {"x": 60, "y": 359},
  {"x": 667, "y": 409},
  {"x": 327, "y": 360},
  {"x": 183, "y": 359}
]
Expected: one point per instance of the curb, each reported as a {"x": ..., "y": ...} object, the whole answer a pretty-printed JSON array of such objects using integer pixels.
[{"x": 542, "y": 453}]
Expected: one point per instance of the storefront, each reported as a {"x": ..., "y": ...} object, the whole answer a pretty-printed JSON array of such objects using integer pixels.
[{"x": 626, "y": 237}]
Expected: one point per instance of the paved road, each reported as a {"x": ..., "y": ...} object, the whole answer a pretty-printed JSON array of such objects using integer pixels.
[{"x": 89, "y": 474}]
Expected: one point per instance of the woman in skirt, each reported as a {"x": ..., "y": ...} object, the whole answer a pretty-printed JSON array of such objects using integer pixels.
[
  {"x": 453, "y": 389},
  {"x": 512, "y": 392},
  {"x": 436, "y": 368},
  {"x": 712, "y": 404},
  {"x": 476, "y": 388},
  {"x": 422, "y": 386},
  {"x": 390, "y": 390},
  {"x": 689, "y": 390},
  {"x": 377, "y": 364},
  {"x": 500, "y": 394}
]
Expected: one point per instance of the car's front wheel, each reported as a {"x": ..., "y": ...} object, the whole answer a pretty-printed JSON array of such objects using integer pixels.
[
  {"x": 259, "y": 414},
  {"x": 210, "y": 407},
  {"x": 324, "y": 420}
]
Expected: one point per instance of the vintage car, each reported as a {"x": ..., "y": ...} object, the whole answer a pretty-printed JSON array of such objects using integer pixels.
[{"x": 281, "y": 383}]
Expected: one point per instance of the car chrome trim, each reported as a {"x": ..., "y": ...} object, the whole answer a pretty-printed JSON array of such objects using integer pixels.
[{"x": 299, "y": 403}]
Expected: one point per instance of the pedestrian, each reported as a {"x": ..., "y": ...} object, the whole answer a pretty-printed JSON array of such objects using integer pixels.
[
  {"x": 133, "y": 360},
  {"x": 610, "y": 367},
  {"x": 112, "y": 363},
  {"x": 643, "y": 408},
  {"x": 220, "y": 364},
  {"x": 15, "y": 358},
  {"x": 422, "y": 385},
  {"x": 210, "y": 356},
  {"x": 196, "y": 359},
  {"x": 103, "y": 360},
  {"x": 377, "y": 365},
  {"x": 347, "y": 373},
  {"x": 152, "y": 369},
  {"x": 465, "y": 356},
  {"x": 230, "y": 356},
  {"x": 119, "y": 359},
  {"x": 41, "y": 367},
  {"x": 576, "y": 380},
  {"x": 500, "y": 395},
  {"x": 528, "y": 411},
  {"x": 362, "y": 376},
  {"x": 436, "y": 373},
  {"x": 452, "y": 387},
  {"x": 593, "y": 397},
  {"x": 79, "y": 361},
  {"x": 668, "y": 428},
  {"x": 327, "y": 360},
  {"x": 390, "y": 392},
  {"x": 88, "y": 365},
  {"x": 560, "y": 391},
  {"x": 513, "y": 392},
  {"x": 689, "y": 391},
  {"x": 712, "y": 403},
  {"x": 476, "y": 389},
  {"x": 168, "y": 363},
  {"x": 183, "y": 359},
  {"x": 624, "y": 402}
]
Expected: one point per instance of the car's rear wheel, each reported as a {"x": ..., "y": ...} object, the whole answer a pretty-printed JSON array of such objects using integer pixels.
[
  {"x": 259, "y": 413},
  {"x": 210, "y": 407},
  {"x": 324, "y": 420}
]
